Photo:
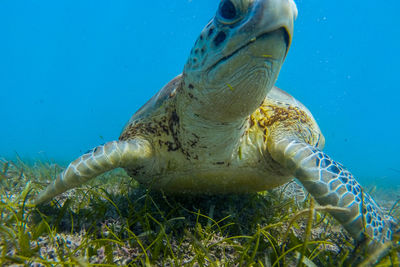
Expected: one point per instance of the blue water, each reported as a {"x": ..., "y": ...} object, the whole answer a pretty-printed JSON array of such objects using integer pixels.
[{"x": 73, "y": 72}]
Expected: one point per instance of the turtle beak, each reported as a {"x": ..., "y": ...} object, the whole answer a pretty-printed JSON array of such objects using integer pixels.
[
  {"x": 275, "y": 14},
  {"x": 288, "y": 40}
]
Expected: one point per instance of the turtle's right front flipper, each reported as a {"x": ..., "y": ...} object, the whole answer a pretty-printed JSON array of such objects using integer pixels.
[
  {"x": 332, "y": 184},
  {"x": 101, "y": 159}
]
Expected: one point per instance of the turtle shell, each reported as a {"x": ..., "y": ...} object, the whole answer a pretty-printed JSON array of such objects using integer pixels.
[{"x": 168, "y": 91}]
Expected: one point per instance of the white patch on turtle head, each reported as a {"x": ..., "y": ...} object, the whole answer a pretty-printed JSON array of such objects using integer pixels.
[{"x": 237, "y": 57}]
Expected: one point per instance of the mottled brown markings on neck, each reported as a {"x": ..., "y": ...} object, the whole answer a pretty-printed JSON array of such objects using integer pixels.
[
  {"x": 273, "y": 114},
  {"x": 269, "y": 115},
  {"x": 251, "y": 121},
  {"x": 195, "y": 141},
  {"x": 153, "y": 128},
  {"x": 174, "y": 128}
]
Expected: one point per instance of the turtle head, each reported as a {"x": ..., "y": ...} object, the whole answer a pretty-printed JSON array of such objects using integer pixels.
[{"x": 237, "y": 58}]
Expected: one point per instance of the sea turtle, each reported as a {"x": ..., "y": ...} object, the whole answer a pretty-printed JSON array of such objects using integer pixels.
[{"x": 223, "y": 127}]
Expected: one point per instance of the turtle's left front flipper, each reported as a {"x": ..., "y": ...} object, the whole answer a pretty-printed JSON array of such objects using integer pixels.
[
  {"x": 99, "y": 160},
  {"x": 332, "y": 184}
]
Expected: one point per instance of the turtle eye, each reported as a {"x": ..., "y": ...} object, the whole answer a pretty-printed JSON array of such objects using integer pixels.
[{"x": 227, "y": 10}]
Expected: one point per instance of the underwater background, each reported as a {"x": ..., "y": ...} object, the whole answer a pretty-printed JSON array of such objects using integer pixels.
[{"x": 73, "y": 72}]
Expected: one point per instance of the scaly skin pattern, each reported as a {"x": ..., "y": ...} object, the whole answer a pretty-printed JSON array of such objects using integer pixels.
[
  {"x": 293, "y": 139},
  {"x": 97, "y": 161},
  {"x": 222, "y": 126},
  {"x": 332, "y": 184}
]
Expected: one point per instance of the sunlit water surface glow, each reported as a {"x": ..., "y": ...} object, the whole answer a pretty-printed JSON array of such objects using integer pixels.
[{"x": 73, "y": 72}]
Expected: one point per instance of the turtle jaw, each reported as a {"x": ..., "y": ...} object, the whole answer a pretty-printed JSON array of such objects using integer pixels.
[
  {"x": 251, "y": 41},
  {"x": 237, "y": 57},
  {"x": 238, "y": 83},
  {"x": 264, "y": 53}
]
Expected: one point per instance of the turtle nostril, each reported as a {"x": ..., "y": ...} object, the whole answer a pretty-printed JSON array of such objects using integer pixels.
[{"x": 221, "y": 36}]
